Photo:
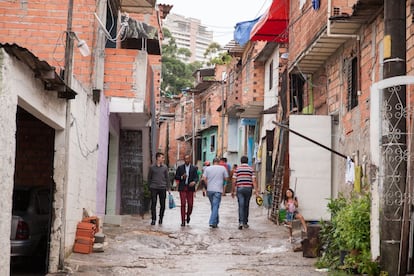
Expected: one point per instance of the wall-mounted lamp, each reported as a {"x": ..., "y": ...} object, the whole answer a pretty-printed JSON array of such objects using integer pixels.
[{"x": 82, "y": 46}]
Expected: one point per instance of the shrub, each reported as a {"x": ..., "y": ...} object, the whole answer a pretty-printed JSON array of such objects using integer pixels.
[{"x": 349, "y": 230}]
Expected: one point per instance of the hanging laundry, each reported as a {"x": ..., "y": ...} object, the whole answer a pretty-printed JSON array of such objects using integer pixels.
[{"x": 350, "y": 171}]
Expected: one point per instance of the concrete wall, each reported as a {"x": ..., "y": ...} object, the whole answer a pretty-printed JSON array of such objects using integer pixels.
[
  {"x": 101, "y": 174},
  {"x": 82, "y": 152},
  {"x": 7, "y": 157},
  {"x": 80, "y": 191}
]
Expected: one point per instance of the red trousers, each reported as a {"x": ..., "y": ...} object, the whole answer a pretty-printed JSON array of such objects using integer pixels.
[{"x": 187, "y": 199}]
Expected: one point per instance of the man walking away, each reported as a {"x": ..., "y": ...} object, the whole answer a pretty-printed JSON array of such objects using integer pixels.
[
  {"x": 244, "y": 181},
  {"x": 227, "y": 182},
  {"x": 187, "y": 176},
  {"x": 159, "y": 183},
  {"x": 214, "y": 177}
]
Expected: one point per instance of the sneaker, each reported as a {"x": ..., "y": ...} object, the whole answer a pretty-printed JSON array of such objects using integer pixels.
[
  {"x": 240, "y": 226},
  {"x": 153, "y": 222},
  {"x": 183, "y": 223},
  {"x": 246, "y": 225},
  {"x": 213, "y": 225},
  {"x": 188, "y": 219},
  {"x": 160, "y": 221}
]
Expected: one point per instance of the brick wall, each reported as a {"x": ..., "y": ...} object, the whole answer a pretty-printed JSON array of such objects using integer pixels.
[
  {"x": 34, "y": 151},
  {"x": 119, "y": 74},
  {"x": 252, "y": 86},
  {"x": 410, "y": 51},
  {"x": 40, "y": 27},
  {"x": 314, "y": 20},
  {"x": 155, "y": 62}
]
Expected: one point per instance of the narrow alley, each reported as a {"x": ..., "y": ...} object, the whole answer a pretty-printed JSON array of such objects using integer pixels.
[{"x": 137, "y": 248}]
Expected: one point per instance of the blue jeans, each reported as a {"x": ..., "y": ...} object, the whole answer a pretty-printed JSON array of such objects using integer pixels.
[
  {"x": 243, "y": 197},
  {"x": 215, "y": 199}
]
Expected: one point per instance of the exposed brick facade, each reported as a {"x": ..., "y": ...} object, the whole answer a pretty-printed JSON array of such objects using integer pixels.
[
  {"x": 40, "y": 26},
  {"x": 35, "y": 141}
]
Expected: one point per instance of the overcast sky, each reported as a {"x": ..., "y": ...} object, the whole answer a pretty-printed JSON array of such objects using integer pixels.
[{"x": 219, "y": 16}]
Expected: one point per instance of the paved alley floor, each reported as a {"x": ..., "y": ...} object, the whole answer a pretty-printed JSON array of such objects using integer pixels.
[{"x": 137, "y": 248}]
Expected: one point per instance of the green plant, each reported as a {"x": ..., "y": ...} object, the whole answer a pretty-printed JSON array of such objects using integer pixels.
[
  {"x": 147, "y": 192},
  {"x": 352, "y": 224},
  {"x": 349, "y": 230},
  {"x": 330, "y": 246}
]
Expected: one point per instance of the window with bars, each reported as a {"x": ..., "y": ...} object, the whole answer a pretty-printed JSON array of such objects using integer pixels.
[{"x": 352, "y": 91}]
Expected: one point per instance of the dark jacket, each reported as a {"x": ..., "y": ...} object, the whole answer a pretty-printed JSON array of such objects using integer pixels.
[{"x": 193, "y": 176}]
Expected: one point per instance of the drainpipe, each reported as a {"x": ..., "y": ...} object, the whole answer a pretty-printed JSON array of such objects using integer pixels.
[{"x": 328, "y": 24}]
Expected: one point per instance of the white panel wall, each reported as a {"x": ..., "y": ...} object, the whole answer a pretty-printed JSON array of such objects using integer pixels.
[{"x": 310, "y": 165}]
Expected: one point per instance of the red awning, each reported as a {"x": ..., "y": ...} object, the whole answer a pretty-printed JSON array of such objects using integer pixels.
[{"x": 273, "y": 25}]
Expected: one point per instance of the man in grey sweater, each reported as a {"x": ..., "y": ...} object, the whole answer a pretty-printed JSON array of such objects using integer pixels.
[{"x": 159, "y": 183}]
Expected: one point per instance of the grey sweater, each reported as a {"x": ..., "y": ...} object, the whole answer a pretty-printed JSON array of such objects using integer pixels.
[{"x": 158, "y": 177}]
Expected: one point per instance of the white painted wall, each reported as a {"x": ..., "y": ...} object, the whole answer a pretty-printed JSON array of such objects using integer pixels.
[
  {"x": 19, "y": 87},
  {"x": 7, "y": 156},
  {"x": 83, "y": 161},
  {"x": 376, "y": 125}
]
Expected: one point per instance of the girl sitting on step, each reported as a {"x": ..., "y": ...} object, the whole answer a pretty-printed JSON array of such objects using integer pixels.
[{"x": 291, "y": 205}]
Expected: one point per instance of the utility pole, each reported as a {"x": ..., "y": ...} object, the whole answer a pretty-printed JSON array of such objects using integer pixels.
[
  {"x": 193, "y": 126},
  {"x": 222, "y": 119},
  {"x": 394, "y": 141},
  {"x": 68, "y": 81}
]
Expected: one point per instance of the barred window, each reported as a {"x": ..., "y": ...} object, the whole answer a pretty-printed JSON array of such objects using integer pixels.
[{"x": 352, "y": 83}]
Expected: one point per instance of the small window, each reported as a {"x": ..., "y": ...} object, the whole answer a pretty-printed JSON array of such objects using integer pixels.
[
  {"x": 271, "y": 75},
  {"x": 297, "y": 83},
  {"x": 212, "y": 143},
  {"x": 352, "y": 83}
]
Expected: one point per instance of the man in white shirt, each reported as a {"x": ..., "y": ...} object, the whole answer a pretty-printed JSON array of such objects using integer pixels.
[{"x": 214, "y": 177}]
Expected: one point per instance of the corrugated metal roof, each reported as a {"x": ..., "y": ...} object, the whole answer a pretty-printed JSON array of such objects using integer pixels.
[
  {"x": 42, "y": 70},
  {"x": 137, "y": 6},
  {"x": 234, "y": 49}
]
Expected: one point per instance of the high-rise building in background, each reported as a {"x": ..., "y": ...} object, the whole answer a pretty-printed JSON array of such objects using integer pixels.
[{"x": 190, "y": 34}]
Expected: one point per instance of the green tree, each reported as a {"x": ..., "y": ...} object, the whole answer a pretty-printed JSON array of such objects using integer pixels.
[
  {"x": 176, "y": 74},
  {"x": 216, "y": 55}
]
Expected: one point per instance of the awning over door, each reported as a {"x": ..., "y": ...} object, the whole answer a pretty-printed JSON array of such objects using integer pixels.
[{"x": 273, "y": 25}]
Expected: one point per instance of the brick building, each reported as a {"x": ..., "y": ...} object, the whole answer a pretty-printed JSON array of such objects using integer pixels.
[
  {"x": 77, "y": 123},
  {"x": 335, "y": 66}
]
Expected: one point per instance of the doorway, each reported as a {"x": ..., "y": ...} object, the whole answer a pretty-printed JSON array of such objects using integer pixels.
[{"x": 32, "y": 195}]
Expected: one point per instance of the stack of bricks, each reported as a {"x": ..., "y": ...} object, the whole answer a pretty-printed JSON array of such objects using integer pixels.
[{"x": 85, "y": 235}]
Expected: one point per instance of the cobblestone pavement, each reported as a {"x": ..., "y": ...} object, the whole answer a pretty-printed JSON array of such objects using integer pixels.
[{"x": 137, "y": 248}]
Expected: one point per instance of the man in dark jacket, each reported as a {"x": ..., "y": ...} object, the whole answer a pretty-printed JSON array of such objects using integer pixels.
[
  {"x": 158, "y": 184},
  {"x": 187, "y": 176}
]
